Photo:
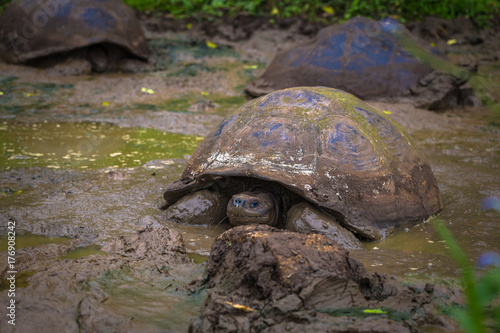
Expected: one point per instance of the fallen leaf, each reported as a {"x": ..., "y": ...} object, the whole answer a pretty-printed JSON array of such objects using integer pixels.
[
  {"x": 211, "y": 44},
  {"x": 240, "y": 307}
]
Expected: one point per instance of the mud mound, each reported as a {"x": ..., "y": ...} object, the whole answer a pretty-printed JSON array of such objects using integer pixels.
[{"x": 265, "y": 279}]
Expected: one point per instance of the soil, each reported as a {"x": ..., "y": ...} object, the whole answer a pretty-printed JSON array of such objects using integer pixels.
[
  {"x": 265, "y": 279},
  {"x": 148, "y": 280},
  {"x": 74, "y": 295}
]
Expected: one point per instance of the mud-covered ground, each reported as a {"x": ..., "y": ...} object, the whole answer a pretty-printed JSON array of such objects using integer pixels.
[{"x": 85, "y": 159}]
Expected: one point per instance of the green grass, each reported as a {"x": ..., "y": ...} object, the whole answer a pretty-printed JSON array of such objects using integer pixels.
[{"x": 482, "y": 12}]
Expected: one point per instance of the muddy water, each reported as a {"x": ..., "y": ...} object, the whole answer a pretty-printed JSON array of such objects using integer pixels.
[
  {"x": 86, "y": 145},
  {"x": 88, "y": 158},
  {"x": 463, "y": 149}
]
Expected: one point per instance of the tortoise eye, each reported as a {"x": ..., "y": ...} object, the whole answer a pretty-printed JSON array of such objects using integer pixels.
[{"x": 254, "y": 204}]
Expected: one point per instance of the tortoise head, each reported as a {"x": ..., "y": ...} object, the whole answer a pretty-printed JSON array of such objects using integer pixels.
[{"x": 257, "y": 207}]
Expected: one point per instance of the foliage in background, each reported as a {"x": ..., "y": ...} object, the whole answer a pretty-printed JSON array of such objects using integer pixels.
[
  {"x": 482, "y": 12},
  {"x": 482, "y": 291},
  {"x": 3, "y": 4}
]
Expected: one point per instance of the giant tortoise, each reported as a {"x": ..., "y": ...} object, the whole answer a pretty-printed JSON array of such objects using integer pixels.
[
  {"x": 362, "y": 56},
  {"x": 101, "y": 31},
  {"x": 312, "y": 159}
]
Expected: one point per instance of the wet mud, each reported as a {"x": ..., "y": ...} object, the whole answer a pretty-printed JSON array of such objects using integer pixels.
[
  {"x": 264, "y": 279},
  {"x": 65, "y": 172},
  {"x": 136, "y": 281}
]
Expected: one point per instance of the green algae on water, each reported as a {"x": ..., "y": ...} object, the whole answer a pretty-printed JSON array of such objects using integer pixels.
[
  {"x": 87, "y": 145},
  {"x": 85, "y": 251},
  {"x": 197, "y": 258},
  {"x": 30, "y": 240}
]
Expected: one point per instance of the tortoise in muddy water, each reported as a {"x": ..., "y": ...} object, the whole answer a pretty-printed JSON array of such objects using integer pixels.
[
  {"x": 311, "y": 159},
  {"x": 44, "y": 33},
  {"x": 361, "y": 56}
]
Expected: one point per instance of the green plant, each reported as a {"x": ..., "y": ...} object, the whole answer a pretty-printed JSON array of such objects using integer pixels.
[
  {"x": 481, "y": 292},
  {"x": 482, "y": 12},
  {"x": 3, "y": 4}
]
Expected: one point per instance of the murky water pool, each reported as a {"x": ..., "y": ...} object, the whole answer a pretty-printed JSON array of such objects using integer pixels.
[
  {"x": 92, "y": 180},
  {"x": 466, "y": 163},
  {"x": 87, "y": 145}
]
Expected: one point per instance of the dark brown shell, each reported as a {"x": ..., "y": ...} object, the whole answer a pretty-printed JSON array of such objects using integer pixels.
[
  {"x": 31, "y": 29},
  {"x": 329, "y": 147},
  {"x": 362, "y": 56}
]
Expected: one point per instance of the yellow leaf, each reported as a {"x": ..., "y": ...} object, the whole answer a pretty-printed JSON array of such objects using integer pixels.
[
  {"x": 328, "y": 10},
  {"x": 1, "y": 93},
  {"x": 387, "y": 112},
  {"x": 189, "y": 26},
  {"x": 204, "y": 93},
  {"x": 147, "y": 90},
  {"x": 105, "y": 103},
  {"x": 433, "y": 44},
  {"x": 451, "y": 41},
  {"x": 19, "y": 192},
  {"x": 240, "y": 307},
  {"x": 211, "y": 45},
  {"x": 275, "y": 11},
  {"x": 251, "y": 67}
]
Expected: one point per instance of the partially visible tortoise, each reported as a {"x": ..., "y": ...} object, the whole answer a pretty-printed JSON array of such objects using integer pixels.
[
  {"x": 41, "y": 32},
  {"x": 307, "y": 159},
  {"x": 361, "y": 56}
]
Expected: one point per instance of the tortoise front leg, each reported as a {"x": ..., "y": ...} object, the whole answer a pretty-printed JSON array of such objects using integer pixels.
[{"x": 304, "y": 217}]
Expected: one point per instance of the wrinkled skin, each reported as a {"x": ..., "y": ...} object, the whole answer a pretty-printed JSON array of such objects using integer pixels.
[
  {"x": 304, "y": 217},
  {"x": 202, "y": 207},
  {"x": 259, "y": 207}
]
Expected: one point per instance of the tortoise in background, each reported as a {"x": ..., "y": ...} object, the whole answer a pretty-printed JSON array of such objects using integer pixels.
[
  {"x": 361, "y": 56},
  {"x": 46, "y": 32},
  {"x": 311, "y": 159}
]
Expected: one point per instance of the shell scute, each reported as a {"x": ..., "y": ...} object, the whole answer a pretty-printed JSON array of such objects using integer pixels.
[{"x": 330, "y": 148}]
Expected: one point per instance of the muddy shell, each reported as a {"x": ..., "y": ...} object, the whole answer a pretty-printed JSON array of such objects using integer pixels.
[
  {"x": 32, "y": 29},
  {"x": 327, "y": 146},
  {"x": 362, "y": 56}
]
